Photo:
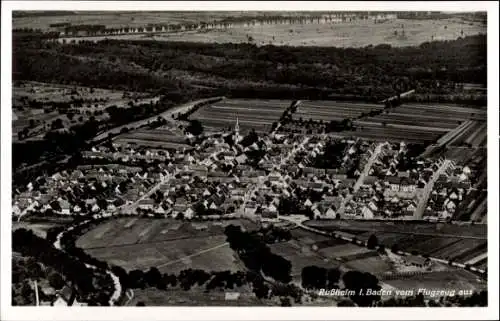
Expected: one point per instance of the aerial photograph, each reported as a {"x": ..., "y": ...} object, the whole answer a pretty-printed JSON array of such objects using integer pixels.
[{"x": 249, "y": 158}]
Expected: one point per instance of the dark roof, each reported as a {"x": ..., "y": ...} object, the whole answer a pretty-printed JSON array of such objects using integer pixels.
[
  {"x": 67, "y": 294},
  {"x": 369, "y": 180},
  {"x": 393, "y": 179}
]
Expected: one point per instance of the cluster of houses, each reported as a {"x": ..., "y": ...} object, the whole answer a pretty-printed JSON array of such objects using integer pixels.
[
  {"x": 316, "y": 192},
  {"x": 84, "y": 190},
  {"x": 449, "y": 190}
]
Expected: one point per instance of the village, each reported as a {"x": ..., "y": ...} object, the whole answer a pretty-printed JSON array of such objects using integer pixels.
[{"x": 256, "y": 176}]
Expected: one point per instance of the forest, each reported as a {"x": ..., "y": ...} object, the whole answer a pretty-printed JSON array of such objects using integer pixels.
[{"x": 369, "y": 73}]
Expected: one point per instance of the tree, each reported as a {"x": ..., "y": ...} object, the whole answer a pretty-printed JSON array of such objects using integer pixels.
[
  {"x": 360, "y": 282},
  {"x": 153, "y": 277},
  {"x": 26, "y": 292},
  {"x": 372, "y": 242},
  {"x": 56, "y": 281},
  {"x": 333, "y": 277},
  {"x": 195, "y": 127},
  {"x": 314, "y": 277}
]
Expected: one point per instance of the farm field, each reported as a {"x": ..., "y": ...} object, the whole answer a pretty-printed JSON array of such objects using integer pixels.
[
  {"x": 358, "y": 33},
  {"x": 169, "y": 245},
  {"x": 153, "y": 138},
  {"x": 459, "y": 231},
  {"x": 436, "y": 243},
  {"x": 377, "y": 132},
  {"x": 422, "y": 122},
  {"x": 375, "y": 265},
  {"x": 325, "y": 110},
  {"x": 251, "y": 113},
  {"x": 473, "y": 135}
]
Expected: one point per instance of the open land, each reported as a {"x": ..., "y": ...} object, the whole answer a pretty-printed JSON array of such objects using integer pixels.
[
  {"x": 358, "y": 33},
  {"x": 39, "y": 102},
  {"x": 169, "y": 245},
  {"x": 153, "y": 138}
]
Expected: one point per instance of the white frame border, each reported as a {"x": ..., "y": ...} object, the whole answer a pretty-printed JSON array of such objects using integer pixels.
[{"x": 8, "y": 312}]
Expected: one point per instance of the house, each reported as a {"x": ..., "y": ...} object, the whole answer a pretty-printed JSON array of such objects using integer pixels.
[
  {"x": 189, "y": 213},
  {"x": 372, "y": 206},
  {"x": 367, "y": 213},
  {"x": 77, "y": 209},
  {"x": 65, "y": 207},
  {"x": 450, "y": 206},
  {"x": 330, "y": 213},
  {"x": 146, "y": 204},
  {"x": 66, "y": 297},
  {"x": 417, "y": 261},
  {"x": 411, "y": 208},
  {"x": 407, "y": 185},
  {"x": 317, "y": 213},
  {"x": 369, "y": 180},
  {"x": 394, "y": 183}
]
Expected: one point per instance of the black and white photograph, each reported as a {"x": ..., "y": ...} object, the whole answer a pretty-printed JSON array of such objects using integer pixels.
[{"x": 261, "y": 155}]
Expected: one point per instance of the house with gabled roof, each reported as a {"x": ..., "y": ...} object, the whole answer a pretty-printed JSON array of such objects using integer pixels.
[
  {"x": 66, "y": 297},
  {"x": 367, "y": 212}
]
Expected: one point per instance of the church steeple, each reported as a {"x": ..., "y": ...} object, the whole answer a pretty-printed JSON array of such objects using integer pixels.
[{"x": 236, "y": 134}]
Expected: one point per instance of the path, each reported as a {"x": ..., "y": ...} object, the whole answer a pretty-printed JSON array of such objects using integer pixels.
[
  {"x": 193, "y": 255},
  {"x": 166, "y": 114},
  {"x": 419, "y": 212},
  {"x": 128, "y": 208},
  {"x": 361, "y": 177},
  {"x": 477, "y": 259}
]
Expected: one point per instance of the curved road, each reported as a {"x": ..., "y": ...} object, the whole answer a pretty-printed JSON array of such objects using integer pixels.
[{"x": 116, "y": 281}]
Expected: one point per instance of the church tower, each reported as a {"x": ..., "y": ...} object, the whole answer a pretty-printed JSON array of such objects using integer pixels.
[{"x": 237, "y": 136}]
